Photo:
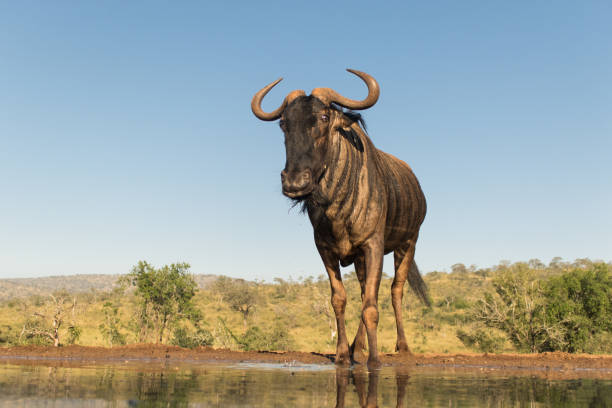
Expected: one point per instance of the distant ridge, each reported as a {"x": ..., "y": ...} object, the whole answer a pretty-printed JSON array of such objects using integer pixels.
[{"x": 24, "y": 287}]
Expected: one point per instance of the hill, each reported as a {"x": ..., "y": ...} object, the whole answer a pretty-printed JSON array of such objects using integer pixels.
[{"x": 25, "y": 287}]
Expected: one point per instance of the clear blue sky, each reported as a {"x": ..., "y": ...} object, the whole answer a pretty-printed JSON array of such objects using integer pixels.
[{"x": 126, "y": 131}]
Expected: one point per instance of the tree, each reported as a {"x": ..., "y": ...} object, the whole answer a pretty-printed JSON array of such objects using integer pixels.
[
  {"x": 581, "y": 302},
  {"x": 583, "y": 263},
  {"x": 556, "y": 263},
  {"x": 567, "y": 312},
  {"x": 165, "y": 297},
  {"x": 535, "y": 263},
  {"x": 47, "y": 321},
  {"x": 321, "y": 305},
  {"x": 220, "y": 287},
  {"x": 459, "y": 269},
  {"x": 240, "y": 295},
  {"x": 110, "y": 326},
  {"x": 517, "y": 307}
]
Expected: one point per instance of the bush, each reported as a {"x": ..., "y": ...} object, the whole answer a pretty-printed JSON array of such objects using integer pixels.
[
  {"x": 581, "y": 302},
  {"x": 453, "y": 303},
  {"x": 599, "y": 343},
  {"x": 8, "y": 336},
  {"x": 257, "y": 339},
  {"x": 33, "y": 333},
  {"x": 452, "y": 318},
  {"x": 201, "y": 337},
  {"x": 74, "y": 333},
  {"x": 460, "y": 303},
  {"x": 254, "y": 339},
  {"x": 481, "y": 340},
  {"x": 563, "y": 313},
  {"x": 517, "y": 308},
  {"x": 110, "y": 327}
]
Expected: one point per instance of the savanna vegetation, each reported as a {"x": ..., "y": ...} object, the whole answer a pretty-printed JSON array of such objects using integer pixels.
[{"x": 523, "y": 306}]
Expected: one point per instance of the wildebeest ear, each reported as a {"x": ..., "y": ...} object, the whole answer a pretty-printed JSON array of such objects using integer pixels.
[{"x": 352, "y": 137}]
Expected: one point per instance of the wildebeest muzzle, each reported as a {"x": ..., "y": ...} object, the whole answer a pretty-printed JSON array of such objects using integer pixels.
[{"x": 297, "y": 184}]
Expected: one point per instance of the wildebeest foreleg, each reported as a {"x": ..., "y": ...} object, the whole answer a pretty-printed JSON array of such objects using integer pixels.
[
  {"x": 342, "y": 380},
  {"x": 373, "y": 253},
  {"x": 338, "y": 300},
  {"x": 360, "y": 338},
  {"x": 369, "y": 399},
  {"x": 403, "y": 258}
]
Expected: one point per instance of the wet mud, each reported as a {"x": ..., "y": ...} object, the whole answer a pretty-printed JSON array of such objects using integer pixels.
[{"x": 550, "y": 365}]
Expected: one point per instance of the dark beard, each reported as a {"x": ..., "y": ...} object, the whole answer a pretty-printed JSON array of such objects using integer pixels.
[{"x": 313, "y": 200}]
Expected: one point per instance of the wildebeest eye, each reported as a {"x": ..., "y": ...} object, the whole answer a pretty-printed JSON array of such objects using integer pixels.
[
  {"x": 324, "y": 118},
  {"x": 281, "y": 123}
]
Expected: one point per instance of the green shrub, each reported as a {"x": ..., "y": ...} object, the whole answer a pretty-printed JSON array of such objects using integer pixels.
[
  {"x": 516, "y": 308},
  {"x": 563, "y": 313},
  {"x": 8, "y": 336},
  {"x": 200, "y": 338},
  {"x": 110, "y": 327},
  {"x": 481, "y": 340},
  {"x": 34, "y": 333},
  {"x": 452, "y": 318},
  {"x": 257, "y": 339},
  {"x": 254, "y": 339},
  {"x": 460, "y": 303},
  {"x": 581, "y": 302},
  {"x": 599, "y": 343},
  {"x": 74, "y": 332}
]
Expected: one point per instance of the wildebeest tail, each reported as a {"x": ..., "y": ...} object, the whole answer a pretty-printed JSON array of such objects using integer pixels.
[{"x": 416, "y": 282}]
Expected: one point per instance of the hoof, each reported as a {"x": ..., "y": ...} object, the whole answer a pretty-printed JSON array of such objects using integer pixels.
[
  {"x": 374, "y": 364},
  {"x": 357, "y": 349},
  {"x": 402, "y": 348},
  {"x": 343, "y": 360}
]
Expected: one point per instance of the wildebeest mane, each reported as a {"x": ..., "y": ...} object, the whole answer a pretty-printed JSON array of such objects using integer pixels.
[
  {"x": 350, "y": 133},
  {"x": 352, "y": 115},
  {"x": 352, "y": 137}
]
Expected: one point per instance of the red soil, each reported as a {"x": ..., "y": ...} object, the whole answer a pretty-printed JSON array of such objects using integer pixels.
[{"x": 558, "y": 365}]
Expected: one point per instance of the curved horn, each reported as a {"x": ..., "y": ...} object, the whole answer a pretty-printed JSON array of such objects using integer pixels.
[
  {"x": 256, "y": 103},
  {"x": 328, "y": 95}
]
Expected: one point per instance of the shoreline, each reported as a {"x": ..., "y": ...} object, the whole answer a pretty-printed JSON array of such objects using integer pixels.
[{"x": 555, "y": 365}]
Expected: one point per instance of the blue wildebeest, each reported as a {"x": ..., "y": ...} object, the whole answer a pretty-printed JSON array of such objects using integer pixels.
[{"x": 362, "y": 202}]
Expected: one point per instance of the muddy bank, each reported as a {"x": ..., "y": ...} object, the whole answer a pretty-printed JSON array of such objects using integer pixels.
[
  {"x": 553, "y": 365},
  {"x": 156, "y": 353}
]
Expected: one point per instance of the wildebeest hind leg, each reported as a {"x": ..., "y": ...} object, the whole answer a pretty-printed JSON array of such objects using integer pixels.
[
  {"x": 373, "y": 256},
  {"x": 403, "y": 258},
  {"x": 360, "y": 338}
]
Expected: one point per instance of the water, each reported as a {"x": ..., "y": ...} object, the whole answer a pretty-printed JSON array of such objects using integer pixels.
[{"x": 55, "y": 384}]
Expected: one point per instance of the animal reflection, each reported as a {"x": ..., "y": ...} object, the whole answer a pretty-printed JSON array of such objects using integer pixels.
[{"x": 366, "y": 386}]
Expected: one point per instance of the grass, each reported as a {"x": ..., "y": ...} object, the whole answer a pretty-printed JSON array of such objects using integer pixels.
[{"x": 300, "y": 307}]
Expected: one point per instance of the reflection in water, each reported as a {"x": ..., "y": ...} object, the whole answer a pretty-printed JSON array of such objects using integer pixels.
[
  {"x": 272, "y": 385},
  {"x": 366, "y": 386}
]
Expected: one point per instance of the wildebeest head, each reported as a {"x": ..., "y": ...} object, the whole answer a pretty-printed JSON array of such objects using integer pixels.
[{"x": 307, "y": 122}]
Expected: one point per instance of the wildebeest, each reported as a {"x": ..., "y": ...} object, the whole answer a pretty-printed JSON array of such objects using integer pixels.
[{"x": 362, "y": 202}]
